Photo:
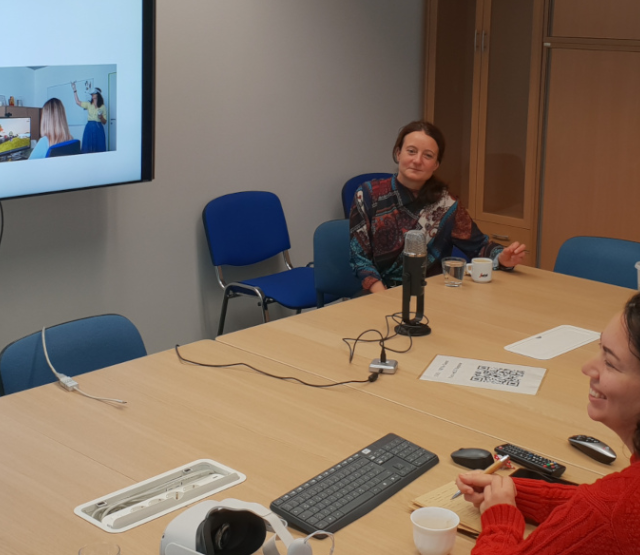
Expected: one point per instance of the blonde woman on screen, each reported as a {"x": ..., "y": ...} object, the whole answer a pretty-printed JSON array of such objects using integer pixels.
[{"x": 53, "y": 128}]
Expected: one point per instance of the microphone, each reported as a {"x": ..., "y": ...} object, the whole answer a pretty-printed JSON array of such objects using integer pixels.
[{"x": 414, "y": 263}]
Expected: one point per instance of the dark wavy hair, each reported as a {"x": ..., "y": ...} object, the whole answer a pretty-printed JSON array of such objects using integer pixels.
[
  {"x": 100, "y": 100},
  {"x": 433, "y": 189},
  {"x": 631, "y": 317}
]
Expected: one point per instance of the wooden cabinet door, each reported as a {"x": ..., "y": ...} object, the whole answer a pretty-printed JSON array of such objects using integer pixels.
[
  {"x": 508, "y": 115},
  {"x": 482, "y": 90},
  {"x": 591, "y": 163}
]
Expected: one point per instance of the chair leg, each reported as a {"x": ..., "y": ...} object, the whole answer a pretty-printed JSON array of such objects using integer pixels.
[
  {"x": 223, "y": 313},
  {"x": 263, "y": 304},
  {"x": 265, "y": 312}
]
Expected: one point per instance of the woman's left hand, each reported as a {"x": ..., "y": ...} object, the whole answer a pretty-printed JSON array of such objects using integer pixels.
[
  {"x": 501, "y": 491},
  {"x": 513, "y": 255}
]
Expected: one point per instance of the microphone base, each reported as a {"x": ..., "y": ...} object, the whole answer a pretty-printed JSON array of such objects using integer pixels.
[{"x": 413, "y": 329}]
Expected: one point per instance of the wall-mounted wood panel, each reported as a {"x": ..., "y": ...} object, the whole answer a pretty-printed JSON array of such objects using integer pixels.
[
  {"x": 610, "y": 19},
  {"x": 591, "y": 165}
]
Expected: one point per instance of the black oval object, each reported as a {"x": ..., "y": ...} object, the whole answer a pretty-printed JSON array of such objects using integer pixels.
[{"x": 473, "y": 458}]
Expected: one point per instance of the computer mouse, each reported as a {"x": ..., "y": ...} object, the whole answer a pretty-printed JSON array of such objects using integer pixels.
[
  {"x": 475, "y": 459},
  {"x": 594, "y": 448}
]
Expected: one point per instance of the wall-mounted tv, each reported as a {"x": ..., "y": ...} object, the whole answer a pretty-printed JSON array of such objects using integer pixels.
[{"x": 78, "y": 95}]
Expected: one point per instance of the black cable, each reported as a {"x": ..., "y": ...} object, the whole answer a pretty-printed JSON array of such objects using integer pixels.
[
  {"x": 397, "y": 318},
  {"x": 371, "y": 378},
  {"x": 1, "y": 222}
]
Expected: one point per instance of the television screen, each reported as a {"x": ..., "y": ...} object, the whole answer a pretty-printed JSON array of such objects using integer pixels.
[
  {"x": 15, "y": 136},
  {"x": 76, "y": 99}
]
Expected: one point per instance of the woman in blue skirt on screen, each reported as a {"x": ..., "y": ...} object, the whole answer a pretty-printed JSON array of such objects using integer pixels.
[{"x": 93, "y": 139}]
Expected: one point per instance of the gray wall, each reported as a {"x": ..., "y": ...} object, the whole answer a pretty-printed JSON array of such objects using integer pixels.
[{"x": 289, "y": 96}]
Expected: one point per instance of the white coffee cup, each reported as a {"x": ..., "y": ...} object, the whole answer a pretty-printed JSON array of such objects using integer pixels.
[
  {"x": 434, "y": 530},
  {"x": 480, "y": 269}
]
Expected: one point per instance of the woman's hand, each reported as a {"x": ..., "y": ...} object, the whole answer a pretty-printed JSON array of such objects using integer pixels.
[
  {"x": 73, "y": 86},
  {"x": 377, "y": 287},
  {"x": 513, "y": 255},
  {"x": 486, "y": 490},
  {"x": 472, "y": 485},
  {"x": 501, "y": 491}
]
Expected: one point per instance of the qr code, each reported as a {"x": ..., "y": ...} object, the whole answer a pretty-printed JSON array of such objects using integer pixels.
[{"x": 498, "y": 376}]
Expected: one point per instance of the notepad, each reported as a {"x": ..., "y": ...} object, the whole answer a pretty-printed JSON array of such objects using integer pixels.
[
  {"x": 470, "y": 522},
  {"x": 441, "y": 497},
  {"x": 553, "y": 342}
]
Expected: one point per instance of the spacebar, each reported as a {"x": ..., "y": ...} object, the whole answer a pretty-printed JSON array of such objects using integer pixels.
[{"x": 356, "y": 502}]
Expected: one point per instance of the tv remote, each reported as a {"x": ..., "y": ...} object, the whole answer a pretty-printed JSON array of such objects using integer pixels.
[
  {"x": 531, "y": 460},
  {"x": 593, "y": 447}
]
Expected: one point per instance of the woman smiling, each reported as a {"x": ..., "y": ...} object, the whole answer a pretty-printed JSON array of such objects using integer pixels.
[
  {"x": 415, "y": 199},
  {"x": 597, "y": 519}
]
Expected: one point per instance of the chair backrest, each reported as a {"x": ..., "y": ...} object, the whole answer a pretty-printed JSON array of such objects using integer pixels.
[
  {"x": 331, "y": 256},
  {"x": 349, "y": 188},
  {"x": 600, "y": 259},
  {"x": 68, "y": 148},
  {"x": 74, "y": 348},
  {"x": 245, "y": 228}
]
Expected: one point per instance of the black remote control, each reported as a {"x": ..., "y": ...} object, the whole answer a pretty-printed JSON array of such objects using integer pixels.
[{"x": 531, "y": 460}]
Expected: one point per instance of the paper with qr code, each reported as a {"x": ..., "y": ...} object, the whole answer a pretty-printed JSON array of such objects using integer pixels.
[{"x": 485, "y": 374}]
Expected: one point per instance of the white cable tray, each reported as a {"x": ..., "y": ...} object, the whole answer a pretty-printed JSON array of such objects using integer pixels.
[{"x": 129, "y": 507}]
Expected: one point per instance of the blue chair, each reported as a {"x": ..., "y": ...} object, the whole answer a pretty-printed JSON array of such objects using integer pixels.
[
  {"x": 74, "y": 348},
  {"x": 600, "y": 259},
  {"x": 349, "y": 188},
  {"x": 457, "y": 252},
  {"x": 246, "y": 228},
  {"x": 68, "y": 148},
  {"x": 331, "y": 256}
]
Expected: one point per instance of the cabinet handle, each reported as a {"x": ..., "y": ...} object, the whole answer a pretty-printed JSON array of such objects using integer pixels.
[
  {"x": 500, "y": 237},
  {"x": 475, "y": 41},
  {"x": 484, "y": 34}
]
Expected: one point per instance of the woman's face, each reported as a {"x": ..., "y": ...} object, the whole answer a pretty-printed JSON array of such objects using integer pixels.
[
  {"x": 614, "y": 392},
  {"x": 417, "y": 160}
]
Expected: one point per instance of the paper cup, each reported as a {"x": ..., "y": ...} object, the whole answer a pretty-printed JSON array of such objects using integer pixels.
[{"x": 434, "y": 530}]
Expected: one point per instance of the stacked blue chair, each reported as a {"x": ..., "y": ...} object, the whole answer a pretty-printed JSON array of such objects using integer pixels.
[
  {"x": 350, "y": 187},
  {"x": 247, "y": 228},
  {"x": 74, "y": 348},
  {"x": 331, "y": 260},
  {"x": 600, "y": 259}
]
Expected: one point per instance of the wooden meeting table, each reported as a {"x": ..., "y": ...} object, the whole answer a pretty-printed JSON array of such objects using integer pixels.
[
  {"x": 60, "y": 449},
  {"x": 476, "y": 320}
]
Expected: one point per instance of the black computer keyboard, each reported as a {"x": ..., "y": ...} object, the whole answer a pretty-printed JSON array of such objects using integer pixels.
[{"x": 355, "y": 486}]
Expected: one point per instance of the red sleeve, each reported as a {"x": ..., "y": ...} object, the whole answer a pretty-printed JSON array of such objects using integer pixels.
[
  {"x": 536, "y": 498},
  {"x": 586, "y": 520},
  {"x": 502, "y": 531}
]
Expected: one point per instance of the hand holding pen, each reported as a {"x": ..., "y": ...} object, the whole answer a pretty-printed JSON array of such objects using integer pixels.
[{"x": 487, "y": 471}]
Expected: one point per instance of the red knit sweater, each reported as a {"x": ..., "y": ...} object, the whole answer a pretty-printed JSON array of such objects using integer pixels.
[{"x": 598, "y": 519}]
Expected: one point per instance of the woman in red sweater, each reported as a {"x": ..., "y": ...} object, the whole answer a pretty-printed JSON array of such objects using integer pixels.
[{"x": 597, "y": 519}]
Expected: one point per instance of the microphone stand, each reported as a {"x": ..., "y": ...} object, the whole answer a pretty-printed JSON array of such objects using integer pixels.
[{"x": 408, "y": 326}]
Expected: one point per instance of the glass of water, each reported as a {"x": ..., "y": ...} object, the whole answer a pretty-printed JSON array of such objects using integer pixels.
[{"x": 453, "y": 270}]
